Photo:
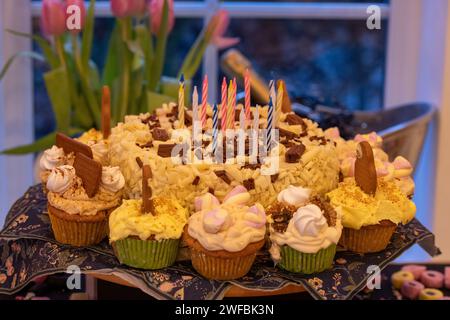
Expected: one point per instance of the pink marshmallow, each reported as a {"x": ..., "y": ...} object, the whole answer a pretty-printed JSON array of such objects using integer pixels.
[
  {"x": 401, "y": 163},
  {"x": 200, "y": 202},
  {"x": 416, "y": 270},
  {"x": 411, "y": 289},
  {"x": 432, "y": 279},
  {"x": 236, "y": 190},
  {"x": 261, "y": 215}
]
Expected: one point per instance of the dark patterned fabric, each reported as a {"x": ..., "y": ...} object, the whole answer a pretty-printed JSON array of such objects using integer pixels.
[{"x": 28, "y": 250}]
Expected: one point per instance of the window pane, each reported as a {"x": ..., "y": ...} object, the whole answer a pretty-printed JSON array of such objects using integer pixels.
[{"x": 338, "y": 60}]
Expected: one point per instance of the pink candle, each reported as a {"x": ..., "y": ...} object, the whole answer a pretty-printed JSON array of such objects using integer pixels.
[
  {"x": 204, "y": 100},
  {"x": 247, "y": 95},
  {"x": 223, "y": 110},
  {"x": 233, "y": 101}
]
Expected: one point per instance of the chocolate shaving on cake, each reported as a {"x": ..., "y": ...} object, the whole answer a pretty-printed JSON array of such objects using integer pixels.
[
  {"x": 196, "y": 181},
  {"x": 295, "y": 120},
  {"x": 281, "y": 215},
  {"x": 147, "y": 202},
  {"x": 322, "y": 140},
  {"x": 249, "y": 184},
  {"x": 222, "y": 174},
  {"x": 160, "y": 134},
  {"x": 286, "y": 134},
  {"x": 187, "y": 119},
  {"x": 327, "y": 209},
  {"x": 153, "y": 125},
  {"x": 147, "y": 145},
  {"x": 165, "y": 150},
  {"x": 274, "y": 178},
  {"x": 71, "y": 145},
  {"x": 139, "y": 162},
  {"x": 294, "y": 153},
  {"x": 211, "y": 190},
  {"x": 252, "y": 166}
]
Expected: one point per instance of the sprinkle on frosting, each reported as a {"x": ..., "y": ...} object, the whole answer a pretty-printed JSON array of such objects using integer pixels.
[
  {"x": 112, "y": 179},
  {"x": 52, "y": 158},
  {"x": 61, "y": 178}
]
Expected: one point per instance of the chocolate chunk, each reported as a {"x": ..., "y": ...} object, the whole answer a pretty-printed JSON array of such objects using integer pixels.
[
  {"x": 196, "y": 181},
  {"x": 249, "y": 184},
  {"x": 153, "y": 125},
  {"x": 274, "y": 178},
  {"x": 165, "y": 150},
  {"x": 327, "y": 209},
  {"x": 139, "y": 162},
  {"x": 147, "y": 145},
  {"x": 294, "y": 120},
  {"x": 287, "y": 134},
  {"x": 187, "y": 119},
  {"x": 322, "y": 140},
  {"x": 222, "y": 174},
  {"x": 252, "y": 166},
  {"x": 160, "y": 134},
  {"x": 294, "y": 153},
  {"x": 211, "y": 190},
  {"x": 147, "y": 202}
]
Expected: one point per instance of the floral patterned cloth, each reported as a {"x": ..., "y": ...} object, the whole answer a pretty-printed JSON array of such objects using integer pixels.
[{"x": 28, "y": 250}]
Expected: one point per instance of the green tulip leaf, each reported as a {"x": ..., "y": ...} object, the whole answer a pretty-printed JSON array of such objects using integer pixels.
[
  {"x": 27, "y": 54},
  {"x": 40, "y": 144},
  {"x": 111, "y": 70},
  {"x": 88, "y": 35},
  {"x": 58, "y": 92}
]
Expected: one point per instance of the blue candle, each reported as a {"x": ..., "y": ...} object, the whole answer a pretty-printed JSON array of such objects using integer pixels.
[
  {"x": 269, "y": 124},
  {"x": 215, "y": 128}
]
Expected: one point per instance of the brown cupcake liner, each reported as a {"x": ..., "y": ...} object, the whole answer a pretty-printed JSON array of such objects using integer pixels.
[
  {"x": 78, "y": 230},
  {"x": 368, "y": 239}
]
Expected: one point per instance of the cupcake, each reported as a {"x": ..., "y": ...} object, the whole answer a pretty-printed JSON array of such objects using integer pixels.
[
  {"x": 224, "y": 237},
  {"x": 371, "y": 208},
  {"x": 51, "y": 159},
  {"x": 79, "y": 203},
  {"x": 100, "y": 146},
  {"x": 145, "y": 233},
  {"x": 304, "y": 231}
]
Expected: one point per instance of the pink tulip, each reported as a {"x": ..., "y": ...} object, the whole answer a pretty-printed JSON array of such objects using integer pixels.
[
  {"x": 53, "y": 19},
  {"x": 120, "y": 8},
  {"x": 156, "y": 11},
  {"x": 222, "y": 20},
  {"x": 137, "y": 7},
  {"x": 80, "y": 4}
]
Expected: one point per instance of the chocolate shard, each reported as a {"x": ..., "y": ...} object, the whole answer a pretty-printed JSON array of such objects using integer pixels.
[
  {"x": 211, "y": 190},
  {"x": 294, "y": 153},
  {"x": 252, "y": 166},
  {"x": 90, "y": 172},
  {"x": 274, "y": 178},
  {"x": 139, "y": 162},
  {"x": 165, "y": 150},
  {"x": 188, "y": 119},
  {"x": 146, "y": 145},
  {"x": 249, "y": 184},
  {"x": 196, "y": 181},
  {"x": 289, "y": 135},
  {"x": 222, "y": 174},
  {"x": 281, "y": 215},
  {"x": 322, "y": 140},
  {"x": 294, "y": 120},
  {"x": 159, "y": 134},
  {"x": 328, "y": 211},
  {"x": 71, "y": 145},
  {"x": 147, "y": 202}
]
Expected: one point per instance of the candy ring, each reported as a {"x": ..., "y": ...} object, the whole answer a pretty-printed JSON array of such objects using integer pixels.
[
  {"x": 399, "y": 277},
  {"x": 447, "y": 277},
  {"x": 416, "y": 270},
  {"x": 432, "y": 279},
  {"x": 431, "y": 294},
  {"x": 411, "y": 289}
]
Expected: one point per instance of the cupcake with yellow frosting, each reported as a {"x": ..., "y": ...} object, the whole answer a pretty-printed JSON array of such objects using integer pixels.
[
  {"x": 304, "y": 231},
  {"x": 147, "y": 240},
  {"x": 371, "y": 208},
  {"x": 224, "y": 237}
]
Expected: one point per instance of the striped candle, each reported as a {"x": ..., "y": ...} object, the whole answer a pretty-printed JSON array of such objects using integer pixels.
[
  {"x": 204, "y": 99},
  {"x": 278, "y": 105},
  {"x": 272, "y": 93},
  {"x": 269, "y": 124},
  {"x": 223, "y": 109},
  {"x": 230, "y": 108},
  {"x": 247, "y": 95},
  {"x": 181, "y": 103},
  {"x": 215, "y": 128}
]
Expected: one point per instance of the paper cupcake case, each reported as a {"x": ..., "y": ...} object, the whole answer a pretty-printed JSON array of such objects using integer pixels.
[
  {"x": 78, "y": 230},
  {"x": 146, "y": 254},
  {"x": 306, "y": 263},
  {"x": 369, "y": 239}
]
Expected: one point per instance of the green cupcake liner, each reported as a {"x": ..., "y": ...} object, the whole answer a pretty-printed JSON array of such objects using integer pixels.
[
  {"x": 146, "y": 254},
  {"x": 307, "y": 263}
]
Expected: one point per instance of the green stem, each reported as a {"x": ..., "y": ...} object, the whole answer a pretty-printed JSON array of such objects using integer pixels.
[{"x": 124, "y": 28}]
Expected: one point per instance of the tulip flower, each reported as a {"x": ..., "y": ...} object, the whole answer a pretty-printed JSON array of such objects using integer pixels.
[
  {"x": 80, "y": 5},
  {"x": 137, "y": 7},
  {"x": 156, "y": 8},
  {"x": 53, "y": 19},
  {"x": 127, "y": 8},
  {"x": 222, "y": 20}
]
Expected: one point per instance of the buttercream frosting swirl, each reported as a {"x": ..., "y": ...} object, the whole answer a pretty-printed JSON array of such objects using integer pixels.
[
  {"x": 100, "y": 151},
  {"x": 112, "y": 179},
  {"x": 309, "y": 220},
  {"x": 294, "y": 196},
  {"x": 61, "y": 178},
  {"x": 52, "y": 158}
]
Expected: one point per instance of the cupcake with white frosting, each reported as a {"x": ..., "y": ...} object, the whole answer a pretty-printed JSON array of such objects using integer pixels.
[
  {"x": 224, "y": 237},
  {"x": 51, "y": 159},
  {"x": 77, "y": 218},
  {"x": 304, "y": 231}
]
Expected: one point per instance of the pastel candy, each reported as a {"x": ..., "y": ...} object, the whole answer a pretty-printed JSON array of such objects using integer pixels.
[
  {"x": 432, "y": 279},
  {"x": 257, "y": 219},
  {"x": 416, "y": 270},
  {"x": 214, "y": 220},
  {"x": 431, "y": 294},
  {"x": 400, "y": 277},
  {"x": 445, "y": 298},
  {"x": 239, "y": 195},
  {"x": 205, "y": 202},
  {"x": 447, "y": 277},
  {"x": 411, "y": 289}
]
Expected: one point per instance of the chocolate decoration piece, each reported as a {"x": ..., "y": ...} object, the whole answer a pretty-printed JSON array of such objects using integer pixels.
[
  {"x": 147, "y": 202},
  {"x": 286, "y": 105},
  {"x": 365, "y": 172},
  {"x": 165, "y": 150},
  {"x": 274, "y": 178},
  {"x": 187, "y": 119},
  {"x": 90, "y": 172},
  {"x": 139, "y": 162},
  {"x": 211, "y": 190},
  {"x": 196, "y": 181},
  {"x": 159, "y": 134},
  {"x": 281, "y": 215},
  {"x": 222, "y": 174},
  {"x": 249, "y": 184},
  {"x": 327, "y": 209},
  {"x": 106, "y": 112},
  {"x": 294, "y": 153},
  {"x": 289, "y": 135},
  {"x": 252, "y": 166},
  {"x": 70, "y": 145},
  {"x": 294, "y": 120}
]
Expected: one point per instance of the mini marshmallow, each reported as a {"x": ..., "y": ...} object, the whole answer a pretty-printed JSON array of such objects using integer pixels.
[
  {"x": 205, "y": 202},
  {"x": 432, "y": 279},
  {"x": 214, "y": 220},
  {"x": 256, "y": 216},
  {"x": 400, "y": 277}
]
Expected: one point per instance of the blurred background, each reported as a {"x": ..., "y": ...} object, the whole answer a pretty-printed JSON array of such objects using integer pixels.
[{"x": 322, "y": 49}]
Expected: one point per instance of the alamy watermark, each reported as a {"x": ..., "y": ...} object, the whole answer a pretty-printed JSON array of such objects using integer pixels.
[
  {"x": 373, "y": 21},
  {"x": 374, "y": 280},
  {"x": 73, "y": 282}
]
